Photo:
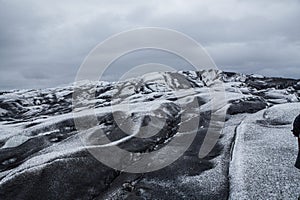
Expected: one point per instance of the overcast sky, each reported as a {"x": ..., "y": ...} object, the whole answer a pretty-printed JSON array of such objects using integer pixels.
[{"x": 43, "y": 43}]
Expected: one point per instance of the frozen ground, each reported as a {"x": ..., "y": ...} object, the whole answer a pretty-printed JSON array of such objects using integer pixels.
[
  {"x": 42, "y": 155},
  {"x": 264, "y": 154}
]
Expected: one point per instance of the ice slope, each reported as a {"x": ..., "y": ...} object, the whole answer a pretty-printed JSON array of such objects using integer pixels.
[
  {"x": 42, "y": 155},
  {"x": 264, "y": 154}
]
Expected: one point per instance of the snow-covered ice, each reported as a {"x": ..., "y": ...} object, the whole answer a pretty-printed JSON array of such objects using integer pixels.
[
  {"x": 43, "y": 155},
  {"x": 264, "y": 154}
]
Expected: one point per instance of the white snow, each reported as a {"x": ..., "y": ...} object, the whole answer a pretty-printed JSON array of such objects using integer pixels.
[
  {"x": 264, "y": 156},
  {"x": 15, "y": 141},
  {"x": 264, "y": 152}
]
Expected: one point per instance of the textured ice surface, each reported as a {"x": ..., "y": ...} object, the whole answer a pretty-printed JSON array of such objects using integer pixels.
[
  {"x": 42, "y": 155},
  {"x": 264, "y": 155}
]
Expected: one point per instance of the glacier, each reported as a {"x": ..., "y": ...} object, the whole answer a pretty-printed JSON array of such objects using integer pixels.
[{"x": 43, "y": 154}]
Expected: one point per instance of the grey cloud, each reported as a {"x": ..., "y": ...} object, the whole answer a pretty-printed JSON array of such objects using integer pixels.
[{"x": 43, "y": 43}]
